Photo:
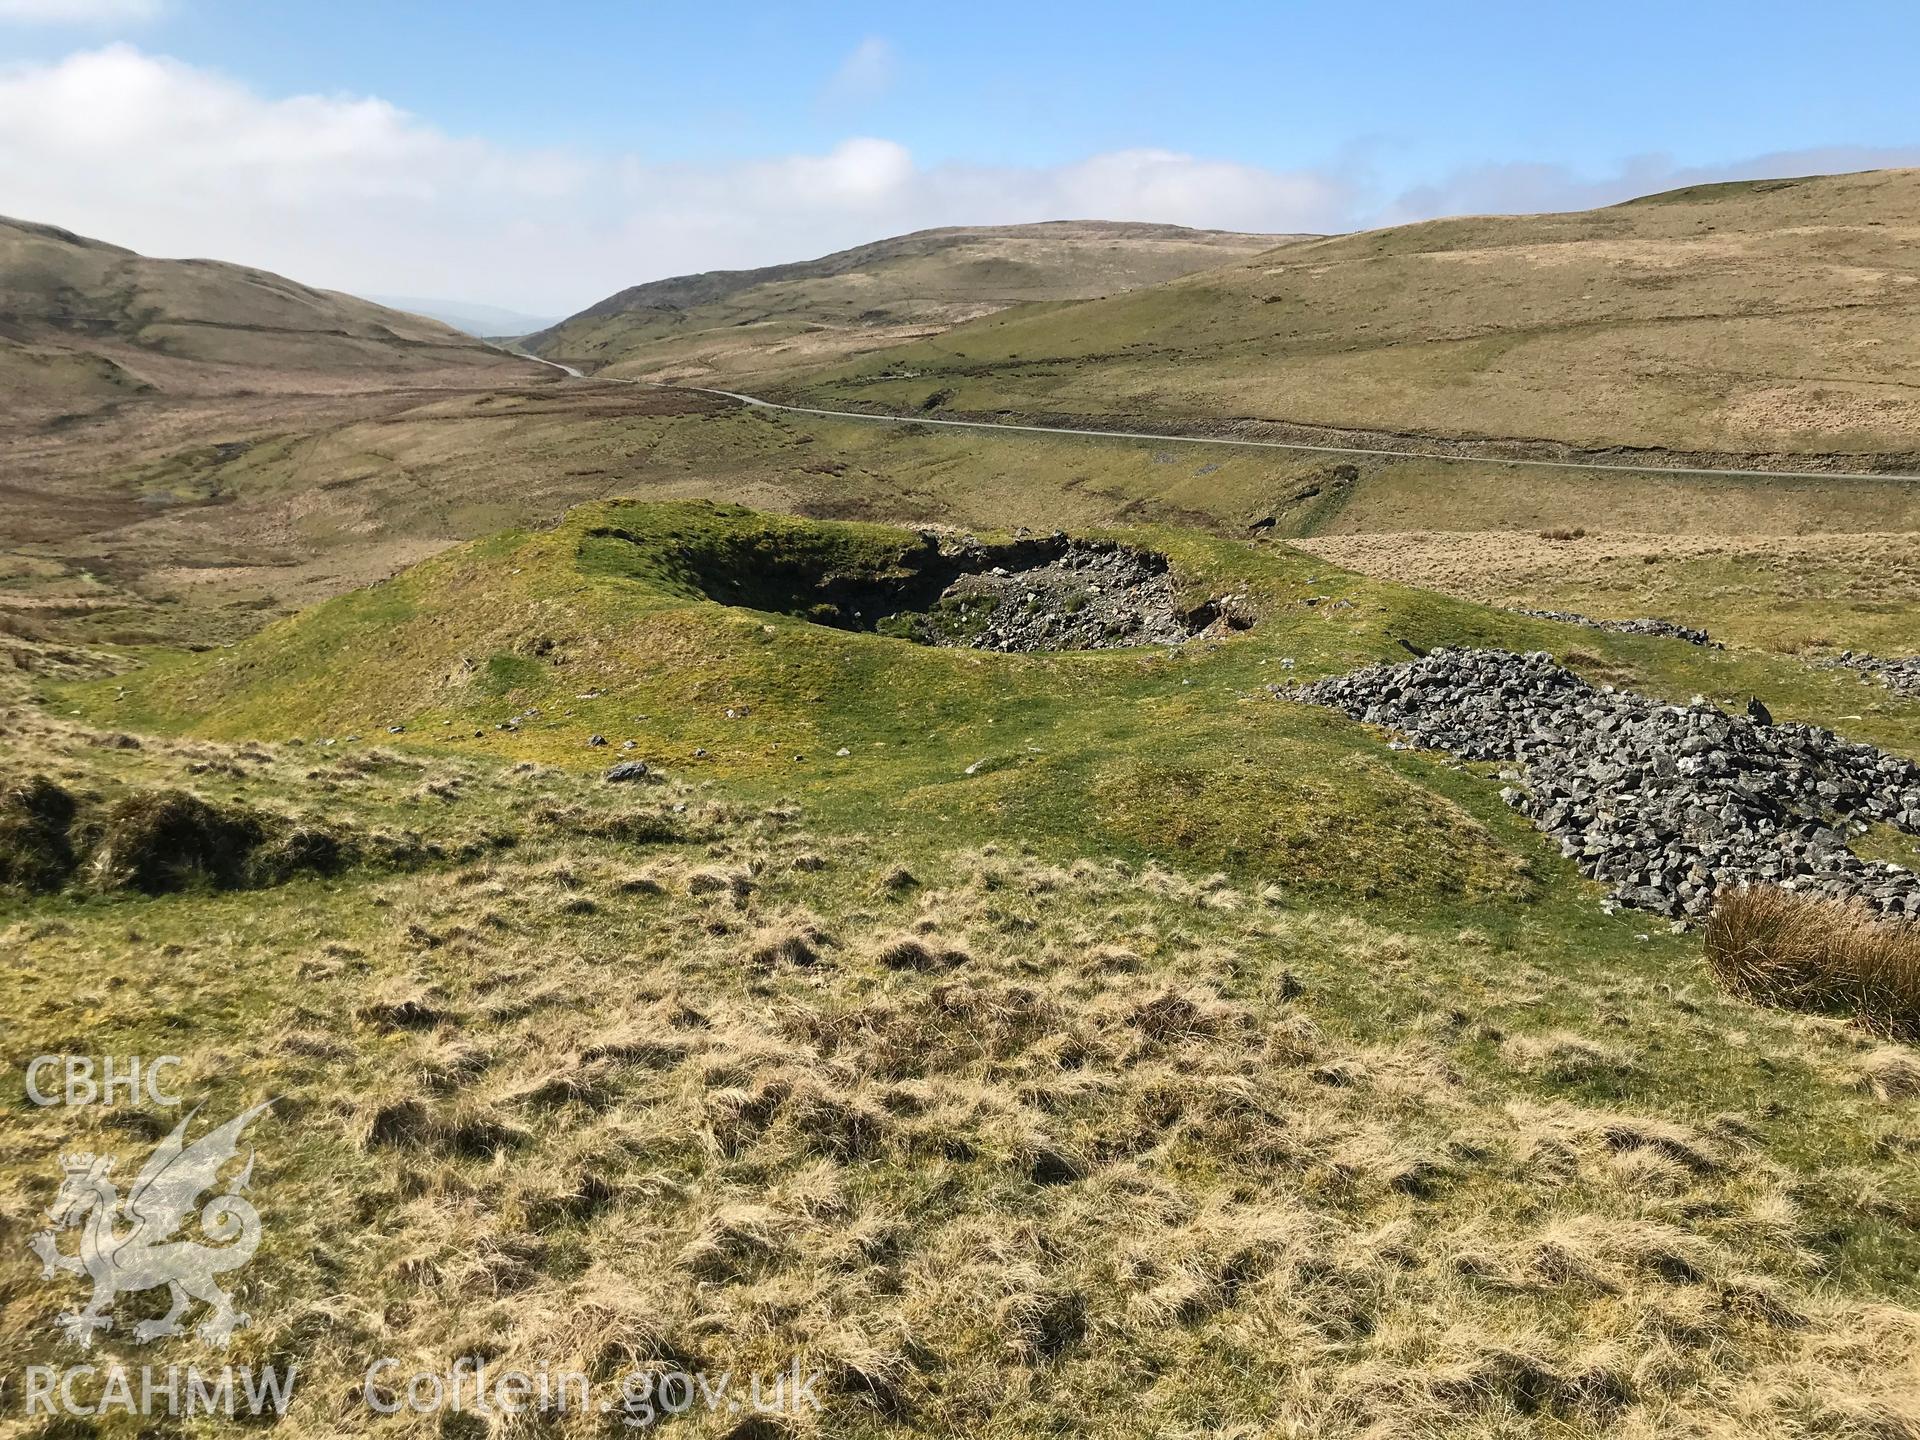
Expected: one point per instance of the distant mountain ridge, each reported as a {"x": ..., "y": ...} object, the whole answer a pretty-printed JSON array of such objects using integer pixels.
[
  {"x": 737, "y": 322},
  {"x": 471, "y": 317}
]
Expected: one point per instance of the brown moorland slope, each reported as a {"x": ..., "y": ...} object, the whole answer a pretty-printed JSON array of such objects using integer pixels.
[
  {"x": 84, "y": 324},
  {"x": 1758, "y": 317},
  {"x": 729, "y": 324}
]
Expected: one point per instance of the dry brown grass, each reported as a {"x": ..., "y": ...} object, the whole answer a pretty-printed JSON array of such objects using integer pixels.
[
  {"x": 1028, "y": 1147},
  {"x": 1804, "y": 953},
  {"x": 721, "y": 328},
  {"x": 1892, "y": 1073},
  {"x": 1772, "y": 317},
  {"x": 1564, "y": 1056}
]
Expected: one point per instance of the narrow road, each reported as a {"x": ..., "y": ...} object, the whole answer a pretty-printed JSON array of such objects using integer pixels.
[{"x": 1014, "y": 427}]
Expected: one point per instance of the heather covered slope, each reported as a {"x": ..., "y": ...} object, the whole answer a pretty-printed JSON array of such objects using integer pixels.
[
  {"x": 1758, "y": 317},
  {"x": 731, "y": 324},
  {"x": 84, "y": 323}
]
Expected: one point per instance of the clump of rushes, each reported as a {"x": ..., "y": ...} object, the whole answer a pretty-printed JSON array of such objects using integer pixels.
[
  {"x": 1803, "y": 953},
  {"x": 35, "y": 851}
]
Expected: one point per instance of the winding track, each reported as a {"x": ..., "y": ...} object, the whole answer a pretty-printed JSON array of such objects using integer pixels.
[{"x": 1012, "y": 426}]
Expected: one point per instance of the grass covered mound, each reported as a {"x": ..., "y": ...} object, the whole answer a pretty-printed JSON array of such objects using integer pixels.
[
  {"x": 999, "y": 1143},
  {"x": 669, "y": 632}
]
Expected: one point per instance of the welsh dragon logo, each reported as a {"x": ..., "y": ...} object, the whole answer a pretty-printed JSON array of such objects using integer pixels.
[{"x": 147, "y": 1253}]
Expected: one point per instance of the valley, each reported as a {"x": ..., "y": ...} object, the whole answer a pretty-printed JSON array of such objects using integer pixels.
[{"x": 1190, "y": 833}]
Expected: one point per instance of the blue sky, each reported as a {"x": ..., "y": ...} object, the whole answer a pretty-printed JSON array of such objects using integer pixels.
[{"x": 541, "y": 156}]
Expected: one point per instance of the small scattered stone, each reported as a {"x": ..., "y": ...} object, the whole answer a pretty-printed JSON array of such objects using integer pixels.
[
  {"x": 1900, "y": 676},
  {"x": 1664, "y": 628},
  {"x": 628, "y": 770}
]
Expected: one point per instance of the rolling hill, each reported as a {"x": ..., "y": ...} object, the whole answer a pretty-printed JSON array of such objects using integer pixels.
[
  {"x": 1754, "y": 317},
  {"x": 986, "y": 1030},
  {"x": 84, "y": 323},
  {"x": 734, "y": 323}
]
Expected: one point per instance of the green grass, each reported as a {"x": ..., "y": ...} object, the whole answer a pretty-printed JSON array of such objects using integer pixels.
[
  {"x": 1226, "y": 1078},
  {"x": 1179, "y": 754},
  {"x": 1333, "y": 1069},
  {"x": 1603, "y": 329}
]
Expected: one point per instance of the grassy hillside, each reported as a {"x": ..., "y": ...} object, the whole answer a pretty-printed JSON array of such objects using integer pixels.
[
  {"x": 84, "y": 324},
  {"x": 604, "y": 625},
  {"x": 1097, "y": 1044},
  {"x": 732, "y": 324},
  {"x": 1788, "y": 593},
  {"x": 201, "y": 528},
  {"x": 193, "y": 517},
  {"x": 1773, "y": 316}
]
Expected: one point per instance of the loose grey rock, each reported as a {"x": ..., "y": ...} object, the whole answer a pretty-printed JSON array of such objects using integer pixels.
[
  {"x": 1666, "y": 804},
  {"x": 1900, "y": 676},
  {"x": 627, "y": 770},
  {"x": 1062, "y": 593},
  {"x": 1627, "y": 627}
]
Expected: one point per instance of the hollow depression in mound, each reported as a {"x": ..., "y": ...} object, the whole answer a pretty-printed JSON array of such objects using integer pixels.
[{"x": 1051, "y": 592}]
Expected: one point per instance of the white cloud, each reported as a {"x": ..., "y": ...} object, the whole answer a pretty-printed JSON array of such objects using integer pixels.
[
  {"x": 868, "y": 72},
  {"x": 354, "y": 193},
  {"x": 79, "y": 12}
]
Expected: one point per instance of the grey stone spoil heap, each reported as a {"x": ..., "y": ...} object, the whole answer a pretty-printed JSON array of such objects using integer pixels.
[
  {"x": 1666, "y": 804},
  {"x": 1095, "y": 595}
]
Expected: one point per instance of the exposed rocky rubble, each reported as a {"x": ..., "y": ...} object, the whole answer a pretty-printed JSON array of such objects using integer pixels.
[
  {"x": 1900, "y": 676},
  {"x": 946, "y": 587},
  {"x": 1089, "y": 595},
  {"x": 1665, "y": 803},
  {"x": 1664, "y": 628}
]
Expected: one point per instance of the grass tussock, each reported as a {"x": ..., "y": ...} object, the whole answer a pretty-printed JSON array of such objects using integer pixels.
[
  {"x": 1892, "y": 1073},
  {"x": 1047, "y": 1144},
  {"x": 1566, "y": 1057},
  {"x": 36, "y": 852},
  {"x": 1827, "y": 956}
]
